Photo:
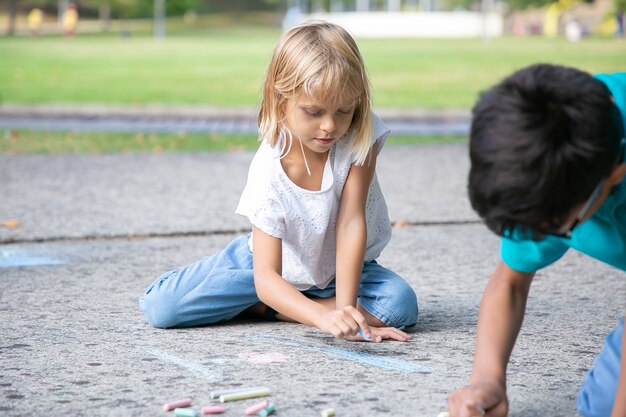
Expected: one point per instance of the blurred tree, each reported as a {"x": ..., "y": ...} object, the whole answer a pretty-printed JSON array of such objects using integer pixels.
[{"x": 12, "y": 16}]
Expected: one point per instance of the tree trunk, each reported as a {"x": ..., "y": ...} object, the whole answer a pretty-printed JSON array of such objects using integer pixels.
[{"x": 12, "y": 17}]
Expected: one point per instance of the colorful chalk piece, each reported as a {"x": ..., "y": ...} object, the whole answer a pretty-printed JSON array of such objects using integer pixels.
[
  {"x": 443, "y": 414},
  {"x": 267, "y": 411},
  {"x": 244, "y": 395},
  {"x": 185, "y": 402},
  {"x": 363, "y": 334},
  {"x": 253, "y": 409},
  {"x": 329, "y": 412},
  {"x": 216, "y": 394},
  {"x": 185, "y": 412},
  {"x": 212, "y": 409}
]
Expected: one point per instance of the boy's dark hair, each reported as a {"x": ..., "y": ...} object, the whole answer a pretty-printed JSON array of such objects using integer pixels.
[{"x": 540, "y": 142}]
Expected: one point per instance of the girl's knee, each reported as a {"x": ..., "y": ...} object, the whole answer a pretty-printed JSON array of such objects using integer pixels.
[
  {"x": 159, "y": 314},
  {"x": 404, "y": 305},
  {"x": 408, "y": 310}
]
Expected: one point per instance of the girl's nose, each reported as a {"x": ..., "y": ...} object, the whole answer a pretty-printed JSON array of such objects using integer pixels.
[{"x": 328, "y": 124}]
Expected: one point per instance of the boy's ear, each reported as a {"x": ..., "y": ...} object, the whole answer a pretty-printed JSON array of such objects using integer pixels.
[{"x": 616, "y": 176}]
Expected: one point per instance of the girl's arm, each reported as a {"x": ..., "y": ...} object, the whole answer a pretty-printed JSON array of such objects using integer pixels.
[
  {"x": 272, "y": 289},
  {"x": 279, "y": 294},
  {"x": 351, "y": 231}
]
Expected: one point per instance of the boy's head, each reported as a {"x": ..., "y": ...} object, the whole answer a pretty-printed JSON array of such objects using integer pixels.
[
  {"x": 316, "y": 61},
  {"x": 541, "y": 141}
]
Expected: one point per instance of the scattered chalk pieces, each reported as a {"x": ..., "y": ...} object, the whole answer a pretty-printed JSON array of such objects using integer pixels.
[
  {"x": 253, "y": 409},
  {"x": 329, "y": 412},
  {"x": 185, "y": 412},
  {"x": 185, "y": 402},
  {"x": 212, "y": 409},
  {"x": 244, "y": 395},
  {"x": 267, "y": 411}
]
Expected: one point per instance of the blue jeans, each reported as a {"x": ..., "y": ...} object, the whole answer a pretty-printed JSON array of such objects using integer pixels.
[
  {"x": 219, "y": 287},
  {"x": 597, "y": 393}
]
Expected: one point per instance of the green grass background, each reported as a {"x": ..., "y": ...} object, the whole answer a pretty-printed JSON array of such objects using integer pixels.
[
  {"x": 222, "y": 63},
  {"x": 227, "y": 69}
]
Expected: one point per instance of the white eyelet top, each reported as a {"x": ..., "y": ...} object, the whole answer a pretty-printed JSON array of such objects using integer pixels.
[{"x": 305, "y": 220}]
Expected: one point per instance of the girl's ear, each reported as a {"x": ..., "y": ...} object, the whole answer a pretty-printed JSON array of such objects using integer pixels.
[
  {"x": 616, "y": 176},
  {"x": 282, "y": 107}
]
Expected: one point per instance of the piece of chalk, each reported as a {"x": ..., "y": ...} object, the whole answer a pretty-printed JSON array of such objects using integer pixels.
[
  {"x": 185, "y": 412},
  {"x": 253, "y": 409},
  {"x": 267, "y": 411},
  {"x": 443, "y": 414},
  {"x": 185, "y": 402},
  {"x": 363, "y": 334},
  {"x": 329, "y": 412},
  {"x": 216, "y": 394},
  {"x": 212, "y": 409},
  {"x": 244, "y": 395}
]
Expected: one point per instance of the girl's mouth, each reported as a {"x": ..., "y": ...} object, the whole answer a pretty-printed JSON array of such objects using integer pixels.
[{"x": 325, "y": 141}]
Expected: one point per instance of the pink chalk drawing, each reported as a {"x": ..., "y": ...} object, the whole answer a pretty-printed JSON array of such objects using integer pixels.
[{"x": 259, "y": 358}]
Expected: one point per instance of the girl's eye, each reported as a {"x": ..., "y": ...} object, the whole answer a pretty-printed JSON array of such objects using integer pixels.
[
  {"x": 312, "y": 113},
  {"x": 345, "y": 111}
]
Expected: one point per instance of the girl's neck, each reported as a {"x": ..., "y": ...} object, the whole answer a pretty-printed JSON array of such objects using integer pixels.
[{"x": 295, "y": 167}]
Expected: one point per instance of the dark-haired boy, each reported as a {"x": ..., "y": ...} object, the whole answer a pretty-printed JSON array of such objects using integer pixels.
[{"x": 547, "y": 170}]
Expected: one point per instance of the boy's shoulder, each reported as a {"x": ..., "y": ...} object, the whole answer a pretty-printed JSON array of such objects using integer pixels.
[
  {"x": 601, "y": 236},
  {"x": 616, "y": 83}
]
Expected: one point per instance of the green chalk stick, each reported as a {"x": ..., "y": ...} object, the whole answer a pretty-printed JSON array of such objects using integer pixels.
[{"x": 267, "y": 411}]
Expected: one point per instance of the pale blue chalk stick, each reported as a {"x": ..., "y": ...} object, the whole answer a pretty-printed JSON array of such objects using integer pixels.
[
  {"x": 363, "y": 334},
  {"x": 185, "y": 412}
]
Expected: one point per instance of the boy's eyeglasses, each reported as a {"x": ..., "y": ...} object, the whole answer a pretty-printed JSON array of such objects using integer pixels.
[
  {"x": 583, "y": 212},
  {"x": 591, "y": 200}
]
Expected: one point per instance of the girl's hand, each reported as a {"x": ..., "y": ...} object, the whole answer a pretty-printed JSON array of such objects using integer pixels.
[
  {"x": 388, "y": 333},
  {"x": 345, "y": 323}
]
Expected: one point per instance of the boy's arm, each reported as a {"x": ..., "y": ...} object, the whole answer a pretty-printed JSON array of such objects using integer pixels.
[
  {"x": 500, "y": 319},
  {"x": 619, "y": 406}
]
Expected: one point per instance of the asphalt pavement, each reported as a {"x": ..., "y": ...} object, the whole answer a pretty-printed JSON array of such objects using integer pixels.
[{"x": 90, "y": 232}]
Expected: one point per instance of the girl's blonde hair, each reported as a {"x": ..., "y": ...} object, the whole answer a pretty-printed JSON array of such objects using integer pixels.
[{"x": 322, "y": 61}]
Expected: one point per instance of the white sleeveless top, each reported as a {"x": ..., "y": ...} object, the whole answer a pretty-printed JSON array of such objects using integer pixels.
[{"x": 305, "y": 220}]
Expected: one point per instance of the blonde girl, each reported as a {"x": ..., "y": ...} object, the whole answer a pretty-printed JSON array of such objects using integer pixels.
[{"x": 319, "y": 219}]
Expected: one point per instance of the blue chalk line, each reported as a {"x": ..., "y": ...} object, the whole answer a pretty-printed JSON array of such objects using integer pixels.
[
  {"x": 359, "y": 357},
  {"x": 195, "y": 368}
]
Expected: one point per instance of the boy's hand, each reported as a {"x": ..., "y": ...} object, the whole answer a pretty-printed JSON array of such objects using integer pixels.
[{"x": 480, "y": 399}]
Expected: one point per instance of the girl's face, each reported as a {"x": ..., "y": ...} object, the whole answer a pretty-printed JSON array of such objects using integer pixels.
[{"x": 318, "y": 125}]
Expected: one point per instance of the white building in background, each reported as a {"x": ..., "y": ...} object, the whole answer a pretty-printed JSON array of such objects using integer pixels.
[{"x": 399, "y": 18}]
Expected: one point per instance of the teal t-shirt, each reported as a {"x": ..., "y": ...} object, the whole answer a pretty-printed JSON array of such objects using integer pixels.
[{"x": 602, "y": 236}]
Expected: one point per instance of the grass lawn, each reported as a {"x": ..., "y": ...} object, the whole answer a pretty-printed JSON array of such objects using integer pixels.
[
  {"x": 226, "y": 67},
  {"x": 86, "y": 142}
]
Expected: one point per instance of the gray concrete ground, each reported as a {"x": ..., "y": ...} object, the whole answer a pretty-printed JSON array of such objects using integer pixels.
[{"x": 95, "y": 230}]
